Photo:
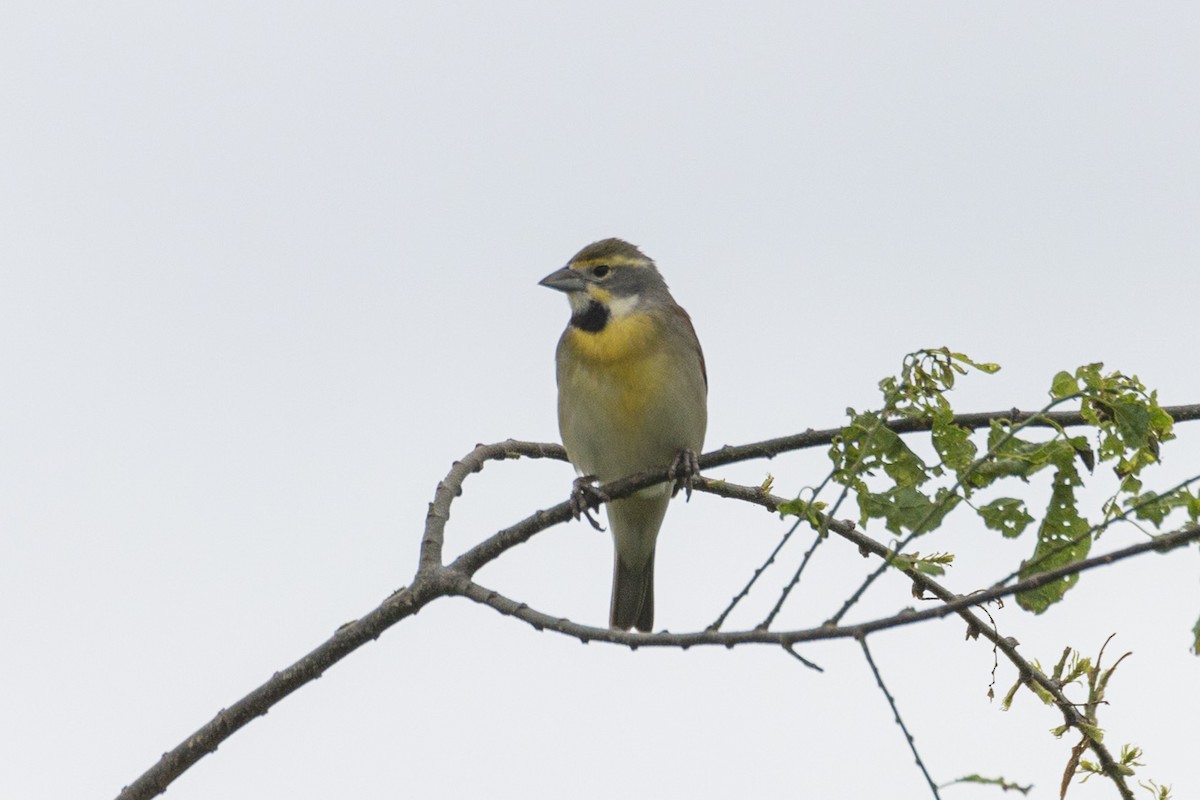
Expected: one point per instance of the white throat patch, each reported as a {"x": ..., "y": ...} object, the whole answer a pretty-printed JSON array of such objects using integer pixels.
[
  {"x": 621, "y": 306},
  {"x": 579, "y": 301}
]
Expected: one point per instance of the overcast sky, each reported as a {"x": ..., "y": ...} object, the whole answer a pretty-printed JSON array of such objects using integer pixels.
[{"x": 267, "y": 269}]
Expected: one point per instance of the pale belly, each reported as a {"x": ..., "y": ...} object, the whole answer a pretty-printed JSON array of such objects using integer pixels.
[{"x": 618, "y": 420}]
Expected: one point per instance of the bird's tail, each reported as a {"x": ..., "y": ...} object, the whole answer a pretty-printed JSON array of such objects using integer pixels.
[
  {"x": 632, "y": 595},
  {"x": 635, "y": 522}
]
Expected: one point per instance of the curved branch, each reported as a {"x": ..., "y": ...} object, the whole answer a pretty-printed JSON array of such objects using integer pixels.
[
  {"x": 434, "y": 580},
  {"x": 348, "y": 638},
  {"x": 451, "y": 487},
  {"x": 431, "y": 581}
]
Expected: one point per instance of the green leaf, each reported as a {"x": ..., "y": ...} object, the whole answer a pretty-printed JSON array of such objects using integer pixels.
[
  {"x": 1130, "y": 754},
  {"x": 983, "y": 366},
  {"x": 992, "y": 470},
  {"x": 1150, "y": 506},
  {"x": 1007, "y": 702},
  {"x": 1064, "y": 385},
  {"x": 900, "y": 508},
  {"x": 1083, "y": 450},
  {"x": 932, "y": 564},
  {"x": 1063, "y": 538},
  {"x": 1158, "y": 792},
  {"x": 1196, "y": 638},
  {"x": 810, "y": 512},
  {"x": 952, "y": 442},
  {"x": 1160, "y": 421},
  {"x": 1017, "y": 457},
  {"x": 1079, "y": 668},
  {"x": 1111, "y": 446},
  {"x": 1157, "y": 507},
  {"x": 1007, "y": 515},
  {"x": 906, "y": 508},
  {"x": 1090, "y": 375},
  {"x": 866, "y": 445},
  {"x": 900, "y": 463},
  {"x": 1133, "y": 422},
  {"x": 1091, "y": 731},
  {"x": 792, "y": 508},
  {"x": 944, "y": 501},
  {"x": 1041, "y": 692}
]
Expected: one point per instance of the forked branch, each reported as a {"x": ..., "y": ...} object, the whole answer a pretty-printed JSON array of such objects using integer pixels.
[{"x": 435, "y": 579}]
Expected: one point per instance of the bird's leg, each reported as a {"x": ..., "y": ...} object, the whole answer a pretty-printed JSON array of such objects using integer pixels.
[
  {"x": 684, "y": 469},
  {"x": 584, "y": 498}
]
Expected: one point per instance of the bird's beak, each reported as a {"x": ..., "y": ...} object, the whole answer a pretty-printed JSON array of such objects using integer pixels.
[{"x": 565, "y": 280}]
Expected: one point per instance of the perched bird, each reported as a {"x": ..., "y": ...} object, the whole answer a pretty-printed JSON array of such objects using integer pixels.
[{"x": 632, "y": 396}]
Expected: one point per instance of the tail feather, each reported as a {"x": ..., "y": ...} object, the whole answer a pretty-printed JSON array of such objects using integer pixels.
[
  {"x": 635, "y": 522},
  {"x": 632, "y": 596}
]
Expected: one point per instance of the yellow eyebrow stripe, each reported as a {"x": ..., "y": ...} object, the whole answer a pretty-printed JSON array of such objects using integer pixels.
[{"x": 614, "y": 260}]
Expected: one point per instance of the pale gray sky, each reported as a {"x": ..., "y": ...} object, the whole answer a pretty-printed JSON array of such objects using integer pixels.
[{"x": 266, "y": 270}]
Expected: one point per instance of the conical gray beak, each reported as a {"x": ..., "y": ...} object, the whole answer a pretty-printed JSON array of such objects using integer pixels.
[{"x": 564, "y": 280}]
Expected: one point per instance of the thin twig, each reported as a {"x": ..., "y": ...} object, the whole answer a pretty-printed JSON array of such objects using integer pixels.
[
  {"x": 737, "y": 598},
  {"x": 787, "y": 590},
  {"x": 912, "y": 743}
]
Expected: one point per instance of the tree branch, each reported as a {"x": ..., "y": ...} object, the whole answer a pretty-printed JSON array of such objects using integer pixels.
[
  {"x": 951, "y": 604},
  {"x": 769, "y": 448},
  {"x": 346, "y": 640},
  {"x": 434, "y": 580}
]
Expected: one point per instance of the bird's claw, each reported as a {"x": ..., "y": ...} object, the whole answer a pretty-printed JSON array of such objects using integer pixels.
[
  {"x": 684, "y": 470},
  {"x": 584, "y": 498}
]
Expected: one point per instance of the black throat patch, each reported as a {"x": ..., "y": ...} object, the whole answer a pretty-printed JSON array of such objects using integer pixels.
[{"x": 592, "y": 319}]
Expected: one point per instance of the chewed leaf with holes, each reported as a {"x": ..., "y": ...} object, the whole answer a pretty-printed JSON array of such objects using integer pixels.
[
  {"x": 1007, "y": 515},
  {"x": 1063, "y": 538}
]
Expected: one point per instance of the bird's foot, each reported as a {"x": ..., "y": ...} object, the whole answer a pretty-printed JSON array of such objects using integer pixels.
[
  {"x": 684, "y": 470},
  {"x": 585, "y": 498}
]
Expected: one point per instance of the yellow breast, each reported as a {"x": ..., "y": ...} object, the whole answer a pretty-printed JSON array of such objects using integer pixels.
[{"x": 626, "y": 356}]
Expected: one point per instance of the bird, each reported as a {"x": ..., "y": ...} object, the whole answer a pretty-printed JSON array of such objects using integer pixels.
[{"x": 632, "y": 396}]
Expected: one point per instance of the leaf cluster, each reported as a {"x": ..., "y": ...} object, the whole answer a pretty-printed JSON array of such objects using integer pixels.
[
  {"x": 892, "y": 483},
  {"x": 1074, "y": 669}
]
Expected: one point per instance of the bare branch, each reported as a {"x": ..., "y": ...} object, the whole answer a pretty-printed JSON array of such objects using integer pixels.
[
  {"x": 450, "y": 488},
  {"x": 347, "y": 639},
  {"x": 912, "y": 743},
  {"x": 794, "y": 582}
]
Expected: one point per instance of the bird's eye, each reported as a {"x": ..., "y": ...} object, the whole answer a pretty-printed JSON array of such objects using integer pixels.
[{"x": 600, "y": 270}]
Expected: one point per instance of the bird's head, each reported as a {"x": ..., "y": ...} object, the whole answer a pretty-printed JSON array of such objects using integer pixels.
[{"x": 606, "y": 280}]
